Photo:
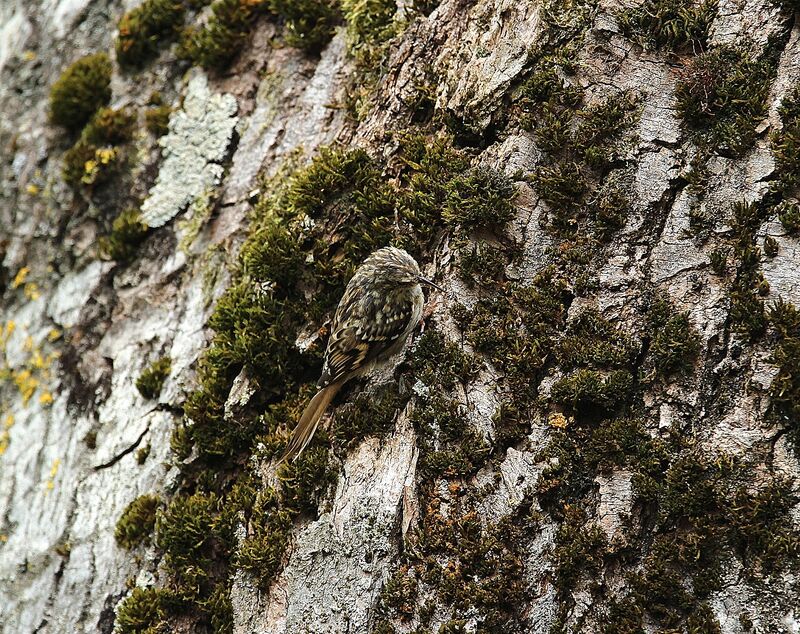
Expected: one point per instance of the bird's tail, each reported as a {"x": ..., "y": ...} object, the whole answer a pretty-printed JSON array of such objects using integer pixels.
[{"x": 308, "y": 422}]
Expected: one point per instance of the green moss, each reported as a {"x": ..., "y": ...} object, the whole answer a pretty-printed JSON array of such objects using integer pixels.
[
  {"x": 675, "y": 25},
  {"x": 674, "y": 342},
  {"x": 75, "y": 161},
  {"x": 719, "y": 261},
  {"x": 785, "y": 387},
  {"x": 578, "y": 550},
  {"x": 483, "y": 262},
  {"x": 127, "y": 233},
  {"x": 577, "y": 451},
  {"x": 110, "y": 126},
  {"x": 152, "y": 379},
  {"x": 770, "y": 247},
  {"x": 516, "y": 330},
  {"x": 309, "y": 24},
  {"x": 143, "y": 612},
  {"x": 789, "y": 215},
  {"x": 747, "y": 312},
  {"x": 582, "y": 148},
  {"x": 609, "y": 207},
  {"x": 592, "y": 340},
  {"x": 722, "y": 96},
  {"x": 144, "y": 29},
  {"x": 428, "y": 167},
  {"x": 786, "y": 144},
  {"x": 370, "y": 23},
  {"x": 708, "y": 507},
  {"x": 399, "y": 593},
  {"x": 137, "y": 521},
  {"x": 586, "y": 391},
  {"x": 465, "y": 563},
  {"x": 367, "y": 414},
  {"x": 194, "y": 531},
  {"x": 438, "y": 362},
  {"x": 91, "y": 159},
  {"x": 81, "y": 89},
  {"x": 479, "y": 198},
  {"x": 262, "y": 550},
  {"x": 142, "y": 454},
  {"x": 449, "y": 446},
  {"x": 157, "y": 120},
  {"x": 215, "y": 45}
]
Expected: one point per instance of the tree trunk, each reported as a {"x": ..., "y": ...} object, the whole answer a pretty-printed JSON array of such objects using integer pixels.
[{"x": 595, "y": 428}]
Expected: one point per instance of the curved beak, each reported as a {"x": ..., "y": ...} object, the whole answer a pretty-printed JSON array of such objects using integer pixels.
[{"x": 425, "y": 280}]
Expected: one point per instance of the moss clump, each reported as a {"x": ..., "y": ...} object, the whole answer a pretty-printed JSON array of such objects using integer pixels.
[
  {"x": 309, "y": 24},
  {"x": 699, "y": 510},
  {"x": 370, "y": 23},
  {"x": 137, "y": 521},
  {"x": 709, "y": 508},
  {"x": 479, "y": 198},
  {"x": 582, "y": 147},
  {"x": 593, "y": 340},
  {"x": 427, "y": 168},
  {"x": 81, "y": 89},
  {"x": 747, "y": 312},
  {"x": 127, "y": 233},
  {"x": 516, "y": 330},
  {"x": 770, "y": 247},
  {"x": 483, "y": 262},
  {"x": 193, "y": 532},
  {"x": 90, "y": 160},
  {"x": 722, "y": 96},
  {"x": 789, "y": 215},
  {"x": 577, "y": 452},
  {"x": 367, "y": 414},
  {"x": 143, "y": 612},
  {"x": 142, "y": 453},
  {"x": 261, "y": 552},
  {"x": 449, "y": 445},
  {"x": 785, "y": 388},
  {"x": 470, "y": 565},
  {"x": 604, "y": 356},
  {"x": 674, "y": 25},
  {"x": 586, "y": 391},
  {"x": 216, "y": 44},
  {"x": 786, "y": 144},
  {"x": 157, "y": 120},
  {"x": 579, "y": 549},
  {"x": 144, "y": 29},
  {"x": 719, "y": 261},
  {"x": 674, "y": 342},
  {"x": 438, "y": 362},
  {"x": 152, "y": 379}
]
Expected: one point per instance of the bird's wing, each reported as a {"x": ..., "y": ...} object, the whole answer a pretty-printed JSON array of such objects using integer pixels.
[{"x": 362, "y": 330}]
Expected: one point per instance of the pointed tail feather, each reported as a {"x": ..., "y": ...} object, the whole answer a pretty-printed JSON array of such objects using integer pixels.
[{"x": 308, "y": 422}]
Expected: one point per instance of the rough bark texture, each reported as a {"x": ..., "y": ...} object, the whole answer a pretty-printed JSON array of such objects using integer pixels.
[{"x": 77, "y": 329}]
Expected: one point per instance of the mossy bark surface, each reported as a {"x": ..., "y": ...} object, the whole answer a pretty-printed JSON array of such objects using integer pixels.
[{"x": 597, "y": 430}]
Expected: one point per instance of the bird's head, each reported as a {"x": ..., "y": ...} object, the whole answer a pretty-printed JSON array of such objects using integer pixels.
[{"x": 395, "y": 267}]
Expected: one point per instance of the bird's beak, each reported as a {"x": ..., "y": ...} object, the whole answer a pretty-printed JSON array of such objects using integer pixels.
[{"x": 425, "y": 280}]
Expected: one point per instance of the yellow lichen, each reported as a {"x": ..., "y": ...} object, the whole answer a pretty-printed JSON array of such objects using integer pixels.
[
  {"x": 5, "y": 434},
  {"x": 51, "y": 481},
  {"x": 19, "y": 278},
  {"x": 32, "y": 291}
]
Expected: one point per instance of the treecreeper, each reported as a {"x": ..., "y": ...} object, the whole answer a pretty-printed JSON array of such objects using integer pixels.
[{"x": 380, "y": 308}]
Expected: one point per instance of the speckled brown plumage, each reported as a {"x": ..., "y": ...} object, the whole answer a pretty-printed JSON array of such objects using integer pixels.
[{"x": 381, "y": 306}]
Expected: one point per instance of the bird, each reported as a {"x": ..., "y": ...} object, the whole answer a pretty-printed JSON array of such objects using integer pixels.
[{"x": 381, "y": 306}]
